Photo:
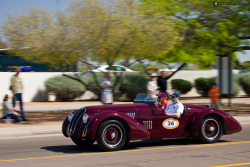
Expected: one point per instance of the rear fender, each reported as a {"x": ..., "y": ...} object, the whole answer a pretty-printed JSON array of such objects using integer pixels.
[
  {"x": 136, "y": 129},
  {"x": 201, "y": 115}
]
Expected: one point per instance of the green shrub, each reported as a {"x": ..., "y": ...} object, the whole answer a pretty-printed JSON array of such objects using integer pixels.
[
  {"x": 64, "y": 88},
  {"x": 202, "y": 85},
  {"x": 131, "y": 84},
  {"x": 244, "y": 80},
  {"x": 180, "y": 85}
]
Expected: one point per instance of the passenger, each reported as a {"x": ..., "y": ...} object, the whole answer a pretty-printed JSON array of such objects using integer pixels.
[
  {"x": 175, "y": 109},
  {"x": 163, "y": 103}
]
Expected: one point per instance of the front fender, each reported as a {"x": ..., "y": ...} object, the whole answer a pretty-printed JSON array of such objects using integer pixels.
[
  {"x": 201, "y": 115},
  {"x": 137, "y": 130}
]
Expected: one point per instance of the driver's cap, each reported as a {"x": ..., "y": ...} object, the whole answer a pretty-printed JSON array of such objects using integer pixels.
[{"x": 175, "y": 94}]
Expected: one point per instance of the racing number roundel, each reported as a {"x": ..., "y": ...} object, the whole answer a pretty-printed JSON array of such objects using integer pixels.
[{"x": 170, "y": 123}]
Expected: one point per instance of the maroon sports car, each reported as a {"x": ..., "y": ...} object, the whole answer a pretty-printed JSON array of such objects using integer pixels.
[{"x": 113, "y": 126}]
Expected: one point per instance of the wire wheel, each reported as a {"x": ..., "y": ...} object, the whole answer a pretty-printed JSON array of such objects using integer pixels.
[
  {"x": 111, "y": 135},
  {"x": 210, "y": 129}
]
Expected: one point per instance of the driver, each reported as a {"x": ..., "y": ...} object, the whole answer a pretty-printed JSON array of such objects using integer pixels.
[
  {"x": 162, "y": 100},
  {"x": 175, "y": 109}
]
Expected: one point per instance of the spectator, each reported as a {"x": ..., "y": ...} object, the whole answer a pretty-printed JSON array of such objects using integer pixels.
[
  {"x": 152, "y": 87},
  {"x": 162, "y": 81},
  {"x": 107, "y": 93},
  {"x": 162, "y": 99},
  {"x": 214, "y": 94},
  {"x": 17, "y": 88},
  {"x": 175, "y": 109},
  {"x": 9, "y": 112}
]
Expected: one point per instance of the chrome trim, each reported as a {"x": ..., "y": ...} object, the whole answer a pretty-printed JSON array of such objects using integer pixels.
[
  {"x": 132, "y": 115},
  {"x": 84, "y": 131},
  {"x": 75, "y": 120},
  {"x": 148, "y": 124}
]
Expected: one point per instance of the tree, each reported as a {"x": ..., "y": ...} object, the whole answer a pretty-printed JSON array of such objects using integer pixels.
[
  {"x": 207, "y": 30},
  {"x": 91, "y": 31},
  {"x": 246, "y": 65},
  {"x": 2, "y": 44}
]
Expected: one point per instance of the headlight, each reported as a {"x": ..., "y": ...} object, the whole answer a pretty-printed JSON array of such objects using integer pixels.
[
  {"x": 70, "y": 116},
  {"x": 85, "y": 118}
]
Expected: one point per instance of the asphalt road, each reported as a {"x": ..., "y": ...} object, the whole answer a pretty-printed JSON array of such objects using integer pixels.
[{"x": 56, "y": 150}]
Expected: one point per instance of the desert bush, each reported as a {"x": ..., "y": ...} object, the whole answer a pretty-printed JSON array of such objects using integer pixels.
[
  {"x": 131, "y": 84},
  {"x": 64, "y": 88},
  {"x": 182, "y": 86},
  {"x": 244, "y": 81},
  {"x": 202, "y": 85}
]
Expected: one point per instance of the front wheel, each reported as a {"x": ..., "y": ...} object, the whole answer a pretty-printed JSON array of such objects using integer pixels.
[
  {"x": 210, "y": 130},
  {"x": 111, "y": 135},
  {"x": 82, "y": 143}
]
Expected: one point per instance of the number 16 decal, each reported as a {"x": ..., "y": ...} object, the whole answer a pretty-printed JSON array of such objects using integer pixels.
[{"x": 170, "y": 123}]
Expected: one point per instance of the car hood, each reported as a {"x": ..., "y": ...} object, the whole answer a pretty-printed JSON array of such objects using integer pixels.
[{"x": 116, "y": 107}]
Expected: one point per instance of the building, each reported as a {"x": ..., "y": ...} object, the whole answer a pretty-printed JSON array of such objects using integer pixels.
[{"x": 7, "y": 62}]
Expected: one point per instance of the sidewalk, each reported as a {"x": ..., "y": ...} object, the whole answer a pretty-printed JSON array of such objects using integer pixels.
[{"x": 66, "y": 106}]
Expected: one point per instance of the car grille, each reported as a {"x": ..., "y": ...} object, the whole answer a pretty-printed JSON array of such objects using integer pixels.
[{"x": 75, "y": 119}]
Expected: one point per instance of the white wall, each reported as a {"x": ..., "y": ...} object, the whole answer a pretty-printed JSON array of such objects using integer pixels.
[
  {"x": 34, "y": 89},
  {"x": 33, "y": 82}
]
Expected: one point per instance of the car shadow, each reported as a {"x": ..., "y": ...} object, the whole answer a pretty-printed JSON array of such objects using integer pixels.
[
  {"x": 72, "y": 149},
  {"x": 131, "y": 146},
  {"x": 165, "y": 142}
]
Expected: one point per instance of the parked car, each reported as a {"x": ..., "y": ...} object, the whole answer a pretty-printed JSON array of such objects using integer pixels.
[
  {"x": 23, "y": 68},
  {"x": 113, "y": 126},
  {"x": 106, "y": 68}
]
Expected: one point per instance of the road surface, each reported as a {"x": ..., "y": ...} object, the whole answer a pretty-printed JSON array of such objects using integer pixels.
[{"x": 58, "y": 151}]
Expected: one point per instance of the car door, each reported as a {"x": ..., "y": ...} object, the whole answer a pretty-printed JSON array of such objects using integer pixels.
[{"x": 165, "y": 126}]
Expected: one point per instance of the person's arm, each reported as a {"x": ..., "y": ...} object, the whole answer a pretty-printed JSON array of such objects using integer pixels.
[
  {"x": 169, "y": 76},
  {"x": 175, "y": 115},
  {"x": 9, "y": 108},
  {"x": 213, "y": 94},
  {"x": 11, "y": 83},
  {"x": 106, "y": 86}
]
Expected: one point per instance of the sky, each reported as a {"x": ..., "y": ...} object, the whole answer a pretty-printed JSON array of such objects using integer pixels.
[{"x": 19, "y": 6}]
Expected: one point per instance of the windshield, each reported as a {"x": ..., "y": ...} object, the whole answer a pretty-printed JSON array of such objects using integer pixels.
[{"x": 140, "y": 97}]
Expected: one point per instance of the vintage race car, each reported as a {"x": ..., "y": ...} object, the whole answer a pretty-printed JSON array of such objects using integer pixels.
[{"x": 113, "y": 126}]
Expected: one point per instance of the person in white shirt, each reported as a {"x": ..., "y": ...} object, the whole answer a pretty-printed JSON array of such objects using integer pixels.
[
  {"x": 152, "y": 87},
  {"x": 107, "y": 92},
  {"x": 175, "y": 109}
]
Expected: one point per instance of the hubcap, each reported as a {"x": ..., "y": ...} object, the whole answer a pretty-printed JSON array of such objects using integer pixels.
[
  {"x": 112, "y": 135},
  {"x": 211, "y": 129}
]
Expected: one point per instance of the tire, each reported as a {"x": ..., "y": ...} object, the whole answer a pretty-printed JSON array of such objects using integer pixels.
[
  {"x": 82, "y": 143},
  {"x": 210, "y": 129},
  {"x": 111, "y": 135}
]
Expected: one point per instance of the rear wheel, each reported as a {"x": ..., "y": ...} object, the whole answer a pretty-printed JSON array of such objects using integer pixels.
[
  {"x": 82, "y": 143},
  {"x": 111, "y": 135},
  {"x": 210, "y": 129}
]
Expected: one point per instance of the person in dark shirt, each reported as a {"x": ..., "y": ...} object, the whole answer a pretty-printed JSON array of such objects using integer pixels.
[{"x": 162, "y": 82}]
